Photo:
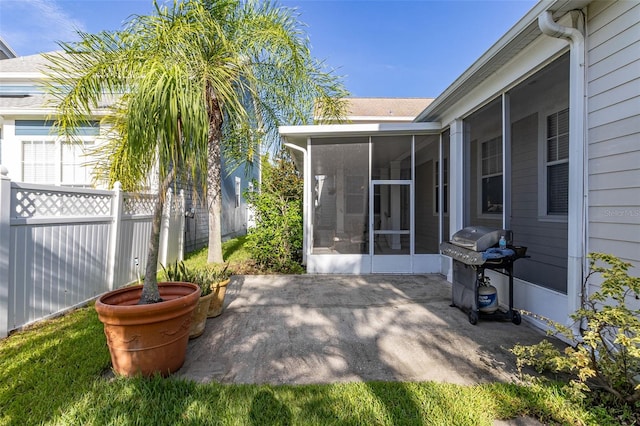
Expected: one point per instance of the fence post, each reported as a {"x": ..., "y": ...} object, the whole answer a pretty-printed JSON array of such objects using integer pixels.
[
  {"x": 114, "y": 237},
  {"x": 181, "y": 212},
  {"x": 5, "y": 237},
  {"x": 164, "y": 229}
]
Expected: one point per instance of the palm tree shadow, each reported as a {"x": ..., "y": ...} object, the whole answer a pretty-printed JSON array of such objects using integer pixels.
[
  {"x": 266, "y": 409},
  {"x": 233, "y": 247}
]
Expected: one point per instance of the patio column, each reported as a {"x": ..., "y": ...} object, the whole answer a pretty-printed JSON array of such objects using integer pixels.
[{"x": 456, "y": 177}]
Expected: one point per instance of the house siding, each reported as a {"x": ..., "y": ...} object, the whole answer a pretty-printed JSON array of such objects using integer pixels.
[{"x": 613, "y": 111}]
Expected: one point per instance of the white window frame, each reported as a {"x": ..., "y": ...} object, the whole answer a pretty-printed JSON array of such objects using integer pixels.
[
  {"x": 54, "y": 162},
  {"x": 436, "y": 186},
  {"x": 543, "y": 165},
  {"x": 57, "y": 161},
  {"x": 79, "y": 163},
  {"x": 492, "y": 215},
  {"x": 356, "y": 197}
]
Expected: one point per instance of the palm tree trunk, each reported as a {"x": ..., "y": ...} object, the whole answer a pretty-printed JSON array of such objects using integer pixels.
[
  {"x": 214, "y": 177},
  {"x": 150, "y": 291}
]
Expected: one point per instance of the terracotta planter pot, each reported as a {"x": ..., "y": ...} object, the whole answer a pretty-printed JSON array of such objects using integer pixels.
[
  {"x": 217, "y": 302},
  {"x": 148, "y": 339},
  {"x": 199, "y": 320}
]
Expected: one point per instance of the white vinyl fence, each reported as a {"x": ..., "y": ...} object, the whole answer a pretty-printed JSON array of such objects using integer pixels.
[{"x": 61, "y": 247}]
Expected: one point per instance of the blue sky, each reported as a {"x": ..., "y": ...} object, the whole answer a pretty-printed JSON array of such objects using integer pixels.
[{"x": 390, "y": 48}]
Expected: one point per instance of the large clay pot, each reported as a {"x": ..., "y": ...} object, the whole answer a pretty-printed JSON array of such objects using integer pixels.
[
  {"x": 148, "y": 339},
  {"x": 199, "y": 320},
  {"x": 217, "y": 302}
]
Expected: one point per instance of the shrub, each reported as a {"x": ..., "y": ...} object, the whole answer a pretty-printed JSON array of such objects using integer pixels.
[
  {"x": 606, "y": 355},
  {"x": 206, "y": 277},
  {"x": 276, "y": 241}
]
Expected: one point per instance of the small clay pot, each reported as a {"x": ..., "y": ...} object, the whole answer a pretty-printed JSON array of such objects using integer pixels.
[{"x": 217, "y": 302}]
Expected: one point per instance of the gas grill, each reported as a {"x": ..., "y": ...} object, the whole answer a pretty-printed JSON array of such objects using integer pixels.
[{"x": 473, "y": 250}]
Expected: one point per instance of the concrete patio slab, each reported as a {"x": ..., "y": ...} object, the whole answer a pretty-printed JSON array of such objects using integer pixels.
[{"x": 298, "y": 329}]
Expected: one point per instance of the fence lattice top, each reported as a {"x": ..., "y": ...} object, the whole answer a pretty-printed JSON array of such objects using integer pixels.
[
  {"x": 134, "y": 204},
  {"x": 32, "y": 203}
]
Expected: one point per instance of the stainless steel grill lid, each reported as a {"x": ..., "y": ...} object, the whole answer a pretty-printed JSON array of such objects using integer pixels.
[
  {"x": 478, "y": 238},
  {"x": 468, "y": 244}
]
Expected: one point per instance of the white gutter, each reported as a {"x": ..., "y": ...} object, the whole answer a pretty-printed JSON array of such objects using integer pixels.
[
  {"x": 577, "y": 220},
  {"x": 306, "y": 185}
]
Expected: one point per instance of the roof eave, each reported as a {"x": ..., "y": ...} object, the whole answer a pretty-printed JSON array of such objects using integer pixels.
[
  {"x": 434, "y": 110},
  {"x": 299, "y": 134}
]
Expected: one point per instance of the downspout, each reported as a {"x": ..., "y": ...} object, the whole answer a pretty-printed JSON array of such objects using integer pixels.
[
  {"x": 577, "y": 220},
  {"x": 306, "y": 228}
]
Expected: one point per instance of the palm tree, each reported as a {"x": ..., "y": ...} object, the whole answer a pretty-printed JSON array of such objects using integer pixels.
[
  {"x": 275, "y": 80},
  {"x": 187, "y": 80}
]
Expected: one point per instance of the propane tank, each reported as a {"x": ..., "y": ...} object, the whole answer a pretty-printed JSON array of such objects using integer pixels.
[{"x": 487, "y": 297}]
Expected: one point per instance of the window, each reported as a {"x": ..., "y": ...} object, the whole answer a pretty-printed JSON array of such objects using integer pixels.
[
  {"x": 557, "y": 163},
  {"x": 445, "y": 185},
  {"x": 75, "y": 167},
  {"x": 355, "y": 194},
  {"x": 238, "y": 182},
  {"x": 491, "y": 176},
  {"x": 39, "y": 161}
]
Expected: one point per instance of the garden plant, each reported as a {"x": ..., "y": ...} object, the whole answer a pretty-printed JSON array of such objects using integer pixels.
[{"x": 604, "y": 361}]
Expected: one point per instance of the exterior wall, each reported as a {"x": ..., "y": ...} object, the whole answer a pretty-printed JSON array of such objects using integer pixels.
[{"x": 613, "y": 109}]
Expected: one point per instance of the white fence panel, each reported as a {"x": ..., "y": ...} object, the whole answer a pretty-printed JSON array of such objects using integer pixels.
[
  {"x": 58, "y": 266},
  {"x": 60, "y": 247}
]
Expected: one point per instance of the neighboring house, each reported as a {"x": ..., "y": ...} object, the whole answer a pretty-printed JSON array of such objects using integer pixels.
[
  {"x": 387, "y": 110},
  {"x": 6, "y": 51},
  {"x": 32, "y": 152},
  {"x": 540, "y": 135}
]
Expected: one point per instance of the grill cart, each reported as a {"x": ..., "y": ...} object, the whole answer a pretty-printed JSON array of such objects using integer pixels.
[{"x": 475, "y": 249}]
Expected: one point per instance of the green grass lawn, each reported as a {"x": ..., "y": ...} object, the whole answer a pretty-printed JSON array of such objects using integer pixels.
[{"x": 56, "y": 373}]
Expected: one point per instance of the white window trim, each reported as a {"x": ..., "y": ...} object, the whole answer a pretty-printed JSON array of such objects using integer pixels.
[
  {"x": 480, "y": 213},
  {"x": 436, "y": 185},
  {"x": 543, "y": 216},
  {"x": 58, "y": 163}
]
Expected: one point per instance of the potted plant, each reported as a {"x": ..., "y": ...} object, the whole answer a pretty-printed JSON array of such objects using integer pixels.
[
  {"x": 219, "y": 280},
  {"x": 158, "y": 133},
  {"x": 202, "y": 278}
]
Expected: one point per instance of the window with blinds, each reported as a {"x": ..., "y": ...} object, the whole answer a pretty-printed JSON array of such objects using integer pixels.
[
  {"x": 445, "y": 185},
  {"x": 75, "y": 167},
  {"x": 491, "y": 175},
  {"x": 39, "y": 161},
  {"x": 557, "y": 163}
]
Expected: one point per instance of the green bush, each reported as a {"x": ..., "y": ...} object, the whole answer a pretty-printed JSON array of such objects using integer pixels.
[
  {"x": 606, "y": 355},
  {"x": 207, "y": 277},
  {"x": 275, "y": 242}
]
